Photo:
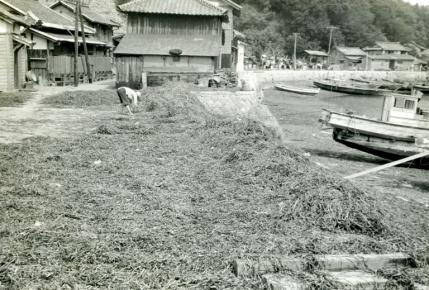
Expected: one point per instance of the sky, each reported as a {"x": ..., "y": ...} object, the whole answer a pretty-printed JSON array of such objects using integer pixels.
[{"x": 420, "y": 2}]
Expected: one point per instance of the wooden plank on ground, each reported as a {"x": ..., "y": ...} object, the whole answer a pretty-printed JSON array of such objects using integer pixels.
[{"x": 388, "y": 165}]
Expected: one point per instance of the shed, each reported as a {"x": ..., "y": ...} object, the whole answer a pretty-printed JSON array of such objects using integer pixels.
[
  {"x": 348, "y": 58},
  {"x": 315, "y": 56},
  {"x": 172, "y": 39}
]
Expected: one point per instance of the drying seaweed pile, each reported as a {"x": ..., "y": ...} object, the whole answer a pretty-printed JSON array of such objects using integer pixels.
[
  {"x": 168, "y": 199},
  {"x": 14, "y": 99},
  {"x": 82, "y": 98}
]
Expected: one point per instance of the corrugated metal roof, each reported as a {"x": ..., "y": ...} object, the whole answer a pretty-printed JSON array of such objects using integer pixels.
[
  {"x": 181, "y": 7},
  {"x": 392, "y": 57},
  {"x": 87, "y": 13},
  {"x": 384, "y": 45},
  {"x": 66, "y": 37},
  {"x": 155, "y": 44},
  {"x": 351, "y": 51},
  {"x": 316, "y": 52}
]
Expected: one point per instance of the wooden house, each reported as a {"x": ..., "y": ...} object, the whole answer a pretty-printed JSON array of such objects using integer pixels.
[
  {"x": 103, "y": 26},
  {"x": 13, "y": 50},
  {"x": 348, "y": 58},
  {"x": 315, "y": 57},
  {"x": 51, "y": 56},
  {"x": 175, "y": 39},
  {"x": 389, "y": 56},
  {"x": 229, "y": 48}
]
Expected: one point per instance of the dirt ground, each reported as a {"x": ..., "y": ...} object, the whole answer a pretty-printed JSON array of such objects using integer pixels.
[
  {"x": 169, "y": 199},
  {"x": 33, "y": 118},
  {"x": 298, "y": 116}
]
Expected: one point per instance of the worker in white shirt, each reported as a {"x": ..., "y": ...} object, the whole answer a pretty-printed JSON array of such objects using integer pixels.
[{"x": 128, "y": 97}]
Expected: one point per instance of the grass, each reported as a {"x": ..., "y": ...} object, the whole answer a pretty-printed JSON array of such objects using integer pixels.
[
  {"x": 169, "y": 199},
  {"x": 14, "y": 99}
]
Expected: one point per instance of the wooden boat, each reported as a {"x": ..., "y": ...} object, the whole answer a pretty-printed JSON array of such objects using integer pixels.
[
  {"x": 422, "y": 88},
  {"x": 344, "y": 87},
  {"x": 297, "y": 90},
  {"x": 394, "y": 136}
]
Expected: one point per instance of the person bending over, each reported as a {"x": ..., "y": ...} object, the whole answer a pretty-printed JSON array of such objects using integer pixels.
[{"x": 128, "y": 97}]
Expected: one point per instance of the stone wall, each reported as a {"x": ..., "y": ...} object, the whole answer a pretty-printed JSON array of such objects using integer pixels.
[{"x": 267, "y": 77}]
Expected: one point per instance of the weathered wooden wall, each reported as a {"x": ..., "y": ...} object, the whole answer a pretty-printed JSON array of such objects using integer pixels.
[
  {"x": 6, "y": 63},
  {"x": 168, "y": 24},
  {"x": 130, "y": 68}
]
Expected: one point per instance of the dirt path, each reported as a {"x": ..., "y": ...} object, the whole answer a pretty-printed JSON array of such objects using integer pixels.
[{"x": 36, "y": 119}]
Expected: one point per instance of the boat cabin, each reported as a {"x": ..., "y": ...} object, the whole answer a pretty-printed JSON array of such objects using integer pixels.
[{"x": 407, "y": 110}]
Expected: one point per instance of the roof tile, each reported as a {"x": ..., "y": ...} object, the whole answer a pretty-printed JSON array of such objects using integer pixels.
[{"x": 182, "y": 7}]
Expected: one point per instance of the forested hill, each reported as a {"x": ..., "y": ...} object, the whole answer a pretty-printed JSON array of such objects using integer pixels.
[{"x": 270, "y": 24}]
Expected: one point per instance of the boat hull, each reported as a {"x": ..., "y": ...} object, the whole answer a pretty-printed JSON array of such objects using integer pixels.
[
  {"x": 386, "y": 140},
  {"x": 346, "y": 89},
  {"x": 423, "y": 89},
  {"x": 377, "y": 146},
  {"x": 301, "y": 91}
]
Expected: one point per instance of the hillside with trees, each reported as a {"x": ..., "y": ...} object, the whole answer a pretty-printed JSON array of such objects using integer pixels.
[{"x": 270, "y": 24}]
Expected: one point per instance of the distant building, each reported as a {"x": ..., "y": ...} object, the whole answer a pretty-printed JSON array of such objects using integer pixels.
[
  {"x": 170, "y": 39},
  {"x": 13, "y": 50},
  {"x": 348, "y": 58},
  {"x": 316, "y": 57},
  {"x": 103, "y": 26},
  {"x": 389, "y": 56}
]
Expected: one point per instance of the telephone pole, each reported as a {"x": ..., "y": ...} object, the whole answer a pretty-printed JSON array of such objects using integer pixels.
[
  {"x": 85, "y": 49},
  {"x": 294, "y": 50},
  {"x": 76, "y": 43},
  {"x": 331, "y": 30}
]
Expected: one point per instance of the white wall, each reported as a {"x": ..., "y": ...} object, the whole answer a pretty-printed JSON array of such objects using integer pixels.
[
  {"x": 41, "y": 43},
  {"x": 3, "y": 26}
]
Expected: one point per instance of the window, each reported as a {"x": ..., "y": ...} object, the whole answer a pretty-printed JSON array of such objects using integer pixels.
[
  {"x": 409, "y": 104},
  {"x": 176, "y": 58},
  {"x": 404, "y": 104},
  {"x": 223, "y": 37}
]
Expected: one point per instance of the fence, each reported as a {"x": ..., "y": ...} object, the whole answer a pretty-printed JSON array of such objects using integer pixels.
[{"x": 60, "y": 69}]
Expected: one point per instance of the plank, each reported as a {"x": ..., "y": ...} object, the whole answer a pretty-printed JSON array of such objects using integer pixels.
[{"x": 388, "y": 165}]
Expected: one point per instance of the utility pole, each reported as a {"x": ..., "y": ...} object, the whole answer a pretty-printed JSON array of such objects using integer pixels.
[
  {"x": 76, "y": 43},
  {"x": 331, "y": 30},
  {"x": 294, "y": 50},
  {"x": 85, "y": 49}
]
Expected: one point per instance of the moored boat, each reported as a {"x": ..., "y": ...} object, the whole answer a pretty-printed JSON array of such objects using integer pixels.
[
  {"x": 344, "y": 87},
  {"x": 404, "y": 119},
  {"x": 422, "y": 88},
  {"x": 297, "y": 90}
]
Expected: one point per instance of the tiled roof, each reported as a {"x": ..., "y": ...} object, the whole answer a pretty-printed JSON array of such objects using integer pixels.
[
  {"x": 392, "y": 57},
  {"x": 157, "y": 44},
  {"x": 181, "y": 7},
  {"x": 351, "y": 51},
  {"x": 49, "y": 17},
  {"x": 87, "y": 13},
  {"x": 391, "y": 46},
  {"x": 316, "y": 52}
]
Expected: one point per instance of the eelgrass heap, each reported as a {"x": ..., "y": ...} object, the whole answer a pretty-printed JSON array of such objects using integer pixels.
[{"x": 169, "y": 199}]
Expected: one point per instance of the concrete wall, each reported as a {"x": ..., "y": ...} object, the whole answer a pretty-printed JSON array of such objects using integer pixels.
[{"x": 268, "y": 77}]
